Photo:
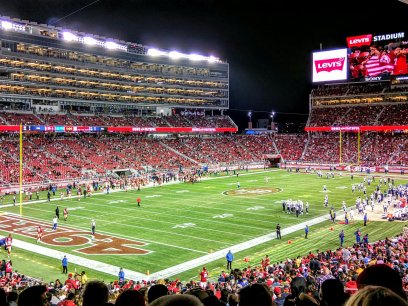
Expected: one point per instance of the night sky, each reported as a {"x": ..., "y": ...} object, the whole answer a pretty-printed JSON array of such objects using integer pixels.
[{"x": 268, "y": 44}]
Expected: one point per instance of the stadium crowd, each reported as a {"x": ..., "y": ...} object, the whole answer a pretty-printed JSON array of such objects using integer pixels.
[{"x": 326, "y": 277}]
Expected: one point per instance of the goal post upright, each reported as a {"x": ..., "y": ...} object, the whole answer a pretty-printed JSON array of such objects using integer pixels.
[
  {"x": 358, "y": 147},
  {"x": 21, "y": 170},
  {"x": 340, "y": 147}
]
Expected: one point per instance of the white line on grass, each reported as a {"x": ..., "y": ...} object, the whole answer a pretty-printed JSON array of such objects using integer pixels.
[
  {"x": 235, "y": 248},
  {"x": 209, "y": 214},
  {"x": 116, "y": 234},
  {"x": 89, "y": 263},
  {"x": 105, "y": 222}
]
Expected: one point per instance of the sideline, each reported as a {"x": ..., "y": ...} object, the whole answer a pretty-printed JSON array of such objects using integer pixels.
[{"x": 149, "y": 185}]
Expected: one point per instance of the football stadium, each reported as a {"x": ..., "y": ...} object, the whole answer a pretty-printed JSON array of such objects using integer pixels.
[{"x": 120, "y": 164}]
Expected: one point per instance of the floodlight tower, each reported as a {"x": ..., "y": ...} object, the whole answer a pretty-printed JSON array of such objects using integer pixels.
[{"x": 272, "y": 123}]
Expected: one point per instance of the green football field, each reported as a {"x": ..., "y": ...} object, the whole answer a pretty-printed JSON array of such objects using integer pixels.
[{"x": 179, "y": 223}]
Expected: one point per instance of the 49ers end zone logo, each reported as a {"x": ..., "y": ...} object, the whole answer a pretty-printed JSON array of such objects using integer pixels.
[
  {"x": 69, "y": 237},
  {"x": 252, "y": 191}
]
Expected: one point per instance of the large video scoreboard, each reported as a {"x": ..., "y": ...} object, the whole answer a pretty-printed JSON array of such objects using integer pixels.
[{"x": 368, "y": 57}]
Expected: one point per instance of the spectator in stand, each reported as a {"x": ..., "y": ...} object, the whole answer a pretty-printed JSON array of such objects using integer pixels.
[
  {"x": 84, "y": 278},
  {"x": 224, "y": 297},
  {"x": 121, "y": 276},
  {"x": 376, "y": 296},
  {"x": 327, "y": 274},
  {"x": 3, "y": 297},
  {"x": 297, "y": 286},
  {"x": 279, "y": 298},
  {"x": 332, "y": 293},
  {"x": 255, "y": 294},
  {"x": 203, "y": 278},
  {"x": 351, "y": 284},
  {"x": 34, "y": 296},
  {"x": 12, "y": 298},
  {"x": 131, "y": 298},
  {"x": 381, "y": 275},
  {"x": 58, "y": 285},
  {"x": 156, "y": 291},
  {"x": 96, "y": 293},
  {"x": 177, "y": 300},
  {"x": 69, "y": 300},
  {"x": 71, "y": 283}
]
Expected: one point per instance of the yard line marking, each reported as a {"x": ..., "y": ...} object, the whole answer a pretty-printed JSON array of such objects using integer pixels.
[
  {"x": 197, "y": 262},
  {"x": 154, "y": 229},
  {"x": 163, "y": 211}
]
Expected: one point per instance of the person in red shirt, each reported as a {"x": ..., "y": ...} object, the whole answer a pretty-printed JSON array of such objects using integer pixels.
[
  {"x": 265, "y": 262},
  {"x": 65, "y": 214},
  {"x": 351, "y": 284},
  {"x": 9, "y": 240},
  {"x": 400, "y": 61},
  {"x": 9, "y": 268},
  {"x": 39, "y": 233},
  {"x": 71, "y": 283},
  {"x": 138, "y": 200},
  {"x": 203, "y": 278}
]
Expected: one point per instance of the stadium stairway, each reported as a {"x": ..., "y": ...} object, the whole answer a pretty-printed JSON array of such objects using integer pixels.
[
  {"x": 305, "y": 147},
  {"x": 179, "y": 153}
]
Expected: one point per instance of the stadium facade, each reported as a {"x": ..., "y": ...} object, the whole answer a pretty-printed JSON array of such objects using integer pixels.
[{"x": 42, "y": 66}]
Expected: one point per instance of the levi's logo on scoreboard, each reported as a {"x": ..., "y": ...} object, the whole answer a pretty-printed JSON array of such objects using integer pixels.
[
  {"x": 358, "y": 41},
  {"x": 329, "y": 64}
]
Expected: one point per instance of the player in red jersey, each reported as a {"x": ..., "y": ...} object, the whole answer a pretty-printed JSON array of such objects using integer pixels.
[
  {"x": 9, "y": 241},
  {"x": 138, "y": 200},
  {"x": 39, "y": 233},
  {"x": 65, "y": 214},
  {"x": 203, "y": 278}
]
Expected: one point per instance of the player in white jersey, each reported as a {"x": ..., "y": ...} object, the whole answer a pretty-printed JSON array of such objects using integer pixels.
[{"x": 351, "y": 213}]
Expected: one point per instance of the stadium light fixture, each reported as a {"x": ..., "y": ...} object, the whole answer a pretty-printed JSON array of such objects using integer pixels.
[
  {"x": 212, "y": 59},
  {"x": 111, "y": 45},
  {"x": 404, "y": 1},
  {"x": 68, "y": 36},
  {"x": 175, "y": 54},
  {"x": 196, "y": 57},
  {"x": 155, "y": 52},
  {"x": 7, "y": 25},
  {"x": 88, "y": 40}
]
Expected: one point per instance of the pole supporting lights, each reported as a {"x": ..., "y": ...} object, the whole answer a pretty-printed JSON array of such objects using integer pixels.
[{"x": 272, "y": 123}]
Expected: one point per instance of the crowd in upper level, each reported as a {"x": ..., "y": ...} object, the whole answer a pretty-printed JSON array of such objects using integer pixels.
[{"x": 383, "y": 114}]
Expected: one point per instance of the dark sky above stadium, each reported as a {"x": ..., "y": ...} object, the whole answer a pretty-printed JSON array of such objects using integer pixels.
[{"x": 268, "y": 44}]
